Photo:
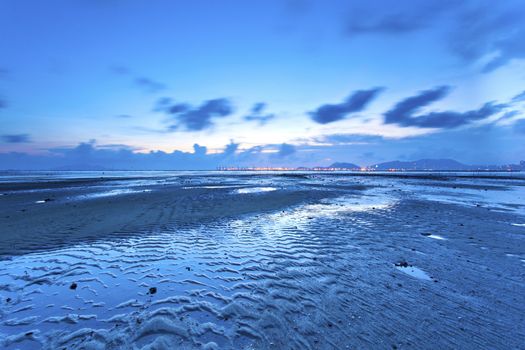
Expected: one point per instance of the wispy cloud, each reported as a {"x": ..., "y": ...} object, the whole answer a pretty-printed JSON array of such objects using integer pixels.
[
  {"x": 377, "y": 17},
  {"x": 519, "y": 97},
  {"x": 91, "y": 155},
  {"x": 16, "y": 138},
  {"x": 149, "y": 85},
  {"x": 472, "y": 30},
  {"x": 257, "y": 114},
  {"x": 356, "y": 102},
  {"x": 186, "y": 117},
  {"x": 146, "y": 84},
  {"x": 404, "y": 112}
]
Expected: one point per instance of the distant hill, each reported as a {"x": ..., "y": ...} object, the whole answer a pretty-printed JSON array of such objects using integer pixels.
[
  {"x": 423, "y": 164},
  {"x": 345, "y": 166},
  {"x": 442, "y": 165}
]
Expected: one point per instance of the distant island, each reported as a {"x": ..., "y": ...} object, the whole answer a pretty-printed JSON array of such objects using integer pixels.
[{"x": 418, "y": 165}]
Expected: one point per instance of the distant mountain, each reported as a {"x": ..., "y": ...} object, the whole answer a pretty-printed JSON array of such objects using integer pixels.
[
  {"x": 442, "y": 165},
  {"x": 340, "y": 165},
  {"x": 423, "y": 164}
]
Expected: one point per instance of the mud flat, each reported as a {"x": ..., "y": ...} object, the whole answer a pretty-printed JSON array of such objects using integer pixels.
[{"x": 263, "y": 262}]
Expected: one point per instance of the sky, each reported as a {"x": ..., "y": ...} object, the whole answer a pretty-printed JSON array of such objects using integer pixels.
[{"x": 163, "y": 84}]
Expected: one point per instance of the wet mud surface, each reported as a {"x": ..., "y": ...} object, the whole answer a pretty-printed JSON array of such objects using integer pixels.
[{"x": 313, "y": 262}]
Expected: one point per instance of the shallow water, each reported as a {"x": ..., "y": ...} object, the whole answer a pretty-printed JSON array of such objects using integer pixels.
[
  {"x": 318, "y": 274},
  {"x": 414, "y": 272}
]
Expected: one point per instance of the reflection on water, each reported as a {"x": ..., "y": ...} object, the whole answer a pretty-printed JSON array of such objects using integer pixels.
[
  {"x": 255, "y": 190},
  {"x": 211, "y": 284},
  {"x": 111, "y": 193},
  {"x": 438, "y": 237},
  {"x": 414, "y": 272}
]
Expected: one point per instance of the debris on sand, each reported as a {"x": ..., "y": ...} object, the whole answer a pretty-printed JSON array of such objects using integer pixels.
[
  {"x": 402, "y": 263},
  {"x": 73, "y": 286},
  {"x": 152, "y": 290},
  {"x": 425, "y": 234},
  {"x": 412, "y": 270},
  {"x": 45, "y": 200}
]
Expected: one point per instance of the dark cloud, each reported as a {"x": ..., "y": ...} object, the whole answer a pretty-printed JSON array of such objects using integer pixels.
[
  {"x": 191, "y": 118},
  {"x": 379, "y": 17},
  {"x": 163, "y": 104},
  {"x": 472, "y": 29},
  {"x": 403, "y": 113},
  {"x": 286, "y": 149},
  {"x": 149, "y": 85},
  {"x": 16, "y": 138},
  {"x": 354, "y": 103},
  {"x": 256, "y": 114},
  {"x": 519, "y": 97},
  {"x": 121, "y": 70},
  {"x": 490, "y": 28},
  {"x": 91, "y": 156},
  {"x": 509, "y": 115},
  {"x": 146, "y": 84}
]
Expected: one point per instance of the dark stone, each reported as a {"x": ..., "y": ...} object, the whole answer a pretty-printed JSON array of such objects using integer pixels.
[
  {"x": 73, "y": 286},
  {"x": 152, "y": 290},
  {"x": 402, "y": 264}
]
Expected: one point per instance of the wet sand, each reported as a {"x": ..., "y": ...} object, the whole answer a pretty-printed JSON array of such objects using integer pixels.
[{"x": 269, "y": 262}]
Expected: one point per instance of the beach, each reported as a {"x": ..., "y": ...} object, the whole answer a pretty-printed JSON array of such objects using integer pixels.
[{"x": 218, "y": 260}]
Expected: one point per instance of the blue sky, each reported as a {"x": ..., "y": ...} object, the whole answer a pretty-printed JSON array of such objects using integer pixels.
[{"x": 297, "y": 82}]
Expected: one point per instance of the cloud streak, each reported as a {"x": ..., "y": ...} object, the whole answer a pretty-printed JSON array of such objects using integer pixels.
[
  {"x": 356, "y": 102},
  {"x": 16, "y": 138},
  {"x": 519, "y": 97},
  {"x": 376, "y": 17},
  {"x": 146, "y": 84},
  {"x": 186, "y": 117},
  {"x": 472, "y": 30},
  {"x": 149, "y": 85},
  {"x": 257, "y": 114},
  {"x": 404, "y": 112}
]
